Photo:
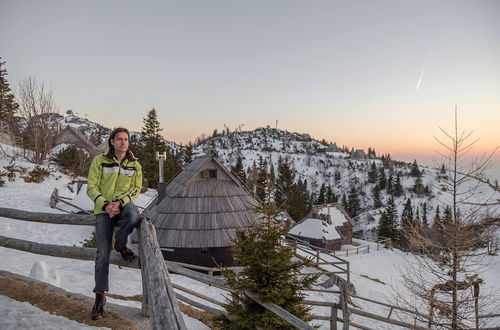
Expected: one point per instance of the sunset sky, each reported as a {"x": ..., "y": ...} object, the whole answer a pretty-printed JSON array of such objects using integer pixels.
[{"x": 381, "y": 74}]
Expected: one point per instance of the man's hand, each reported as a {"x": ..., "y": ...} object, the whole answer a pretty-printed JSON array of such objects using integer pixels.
[{"x": 112, "y": 209}]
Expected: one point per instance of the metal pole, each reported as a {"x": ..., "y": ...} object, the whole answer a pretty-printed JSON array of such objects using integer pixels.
[{"x": 161, "y": 159}]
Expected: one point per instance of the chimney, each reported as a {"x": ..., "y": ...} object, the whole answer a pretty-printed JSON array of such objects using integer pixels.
[{"x": 161, "y": 184}]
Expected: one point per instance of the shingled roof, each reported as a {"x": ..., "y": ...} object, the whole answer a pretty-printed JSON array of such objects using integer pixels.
[{"x": 203, "y": 207}]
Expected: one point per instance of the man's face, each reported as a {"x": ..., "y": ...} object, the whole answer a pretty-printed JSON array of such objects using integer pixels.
[{"x": 120, "y": 142}]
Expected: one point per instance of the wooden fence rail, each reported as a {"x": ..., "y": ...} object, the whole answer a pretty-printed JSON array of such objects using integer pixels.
[
  {"x": 62, "y": 219},
  {"x": 152, "y": 300}
]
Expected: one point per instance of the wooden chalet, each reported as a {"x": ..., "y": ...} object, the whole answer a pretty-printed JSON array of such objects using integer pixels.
[
  {"x": 199, "y": 212},
  {"x": 71, "y": 135},
  {"x": 327, "y": 226}
]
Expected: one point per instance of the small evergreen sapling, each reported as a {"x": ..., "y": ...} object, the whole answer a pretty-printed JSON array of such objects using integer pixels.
[{"x": 269, "y": 272}]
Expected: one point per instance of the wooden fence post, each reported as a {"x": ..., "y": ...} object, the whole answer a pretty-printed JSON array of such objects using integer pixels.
[
  {"x": 333, "y": 319},
  {"x": 164, "y": 310},
  {"x": 144, "y": 276}
]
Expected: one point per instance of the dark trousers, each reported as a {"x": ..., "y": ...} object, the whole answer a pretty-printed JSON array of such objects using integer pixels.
[{"x": 126, "y": 219}]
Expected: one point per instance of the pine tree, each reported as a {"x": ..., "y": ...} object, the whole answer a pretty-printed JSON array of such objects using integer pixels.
[
  {"x": 345, "y": 205},
  {"x": 372, "y": 174},
  {"x": 398, "y": 188},
  {"x": 377, "y": 202},
  {"x": 353, "y": 202},
  {"x": 382, "y": 179},
  {"x": 284, "y": 183},
  {"x": 145, "y": 149},
  {"x": 238, "y": 170},
  {"x": 321, "y": 195},
  {"x": 337, "y": 176},
  {"x": 390, "y": 185},
  {"x": 437, "y": 223},
  {"x": 418, "y": 186},
  {"x": 407, "y": 215},
  {"x": 8, "y": 105},
  {"x": 330, "y": 195},
  {"x": 299, "y": 200},
  {"x": 442, "y": 172},
  {"x": 415, "y": 171},
  {"x": 424, "y": 215},
  {"x": 388, "y": 222},
  {"x": 270, "y": 272},
  {"x": 262, "y": 179}
]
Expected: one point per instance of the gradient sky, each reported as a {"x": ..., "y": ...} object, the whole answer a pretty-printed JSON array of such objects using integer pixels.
[{"x": 344, "y": 71}]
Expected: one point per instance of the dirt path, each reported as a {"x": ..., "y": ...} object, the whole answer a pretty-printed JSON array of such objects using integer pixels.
[{"x": 56, "y": 302}]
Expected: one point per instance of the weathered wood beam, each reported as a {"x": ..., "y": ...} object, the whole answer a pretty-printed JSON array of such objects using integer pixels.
[
  {"x": 284, "y": 314},
  {"x": 81, "y": 253},
  {"x": 384, "y": 319},
  {"x": 64, "y": 219},
  {"x": 70, "y": 252},
  {"x": 164, "y": 310}
]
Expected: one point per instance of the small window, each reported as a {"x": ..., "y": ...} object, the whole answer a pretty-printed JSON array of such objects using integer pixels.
[
  {"x": 212, "y": 174},
  {"x": 204, "y": 250}
]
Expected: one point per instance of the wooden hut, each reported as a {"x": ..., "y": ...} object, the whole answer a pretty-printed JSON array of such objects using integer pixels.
[
  {"x": 199, "y": 212},
  {"x": 327, "y": 226},
  {"x": 71, "y": 135}
]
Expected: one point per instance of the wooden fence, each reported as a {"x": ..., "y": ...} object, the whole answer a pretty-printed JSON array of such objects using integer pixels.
[{"x": 159, "y": 295}]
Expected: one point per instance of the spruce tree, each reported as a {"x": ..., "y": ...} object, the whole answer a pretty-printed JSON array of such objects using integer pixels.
[
  {"x": 418, "y": 186},
  {"x": 388, "y": 222},
  {"x": 262, "y": 179},
  {"x": 146, "y": 148},
  {"x": 337, "y": 176},
  {"x": 299, "y": 200},
  {"x": 284, "y": 183},
  {"x": 407, "y": 215},
  {"x": 437, "y": 223},
  {"x": 8, "y": 105},
  {"x": 321, "y": 195},
  {"x": 415, "y": 171},
  {"x": 345, "y": 205},
  {"x": 238, "y": 170},
  {"x": 271, "y": 272},
  {"x": 330, "y": 195},
  {"x": 377, "y": 201},
  {"x": 398, "y": 188},
  {"x": 390, "y": 185},
  {"x": 424, "y": 215},
  {"x": 372, "y": 174},
  {"x": 382, "y": 179},
  {"x": 442, "y": 172},
  {"x": 353, "y": 202}
]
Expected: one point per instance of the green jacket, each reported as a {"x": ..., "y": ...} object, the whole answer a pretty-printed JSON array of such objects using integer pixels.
[{"x": 110, "y": 181}]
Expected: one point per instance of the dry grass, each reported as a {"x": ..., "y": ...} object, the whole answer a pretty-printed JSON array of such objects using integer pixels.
[{"x": 59, "y": 304}]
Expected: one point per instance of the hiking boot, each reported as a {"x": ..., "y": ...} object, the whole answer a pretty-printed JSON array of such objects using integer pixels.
[
  {"x": 98, "y": 309},
  {"x": 126, "y": 253}
]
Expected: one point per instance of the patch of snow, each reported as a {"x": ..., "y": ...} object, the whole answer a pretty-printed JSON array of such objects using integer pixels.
[
  {"x": 40, "y": 271},
  {"x": 22, "y": 315},
  {"x": 315, "y": 228}
]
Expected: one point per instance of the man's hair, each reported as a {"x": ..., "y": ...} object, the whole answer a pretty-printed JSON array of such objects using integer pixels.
[{"x": 113, "y": 134}]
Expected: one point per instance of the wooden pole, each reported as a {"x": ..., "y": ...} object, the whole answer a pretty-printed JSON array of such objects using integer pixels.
[
  {"x": 144, "y": 275},
  {"x": 333, "y": 319},
  {"x": 65, "y": 219},
  {"x": 163, "y": 306},
  {"x": 284, "y": 314}
]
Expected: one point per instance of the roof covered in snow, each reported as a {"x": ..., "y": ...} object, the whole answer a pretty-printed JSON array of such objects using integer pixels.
[{"x": 321, "y": 223}]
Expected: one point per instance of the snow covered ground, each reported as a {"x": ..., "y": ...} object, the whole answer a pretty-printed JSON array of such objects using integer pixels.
[
  {"x": 72, "y": 275},
  {"x": 22, "y": 315},
  {"x": 376, "y": 275}
]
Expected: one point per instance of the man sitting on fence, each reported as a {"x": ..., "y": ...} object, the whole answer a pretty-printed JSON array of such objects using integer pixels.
[{"x": 114, "y": 181}]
